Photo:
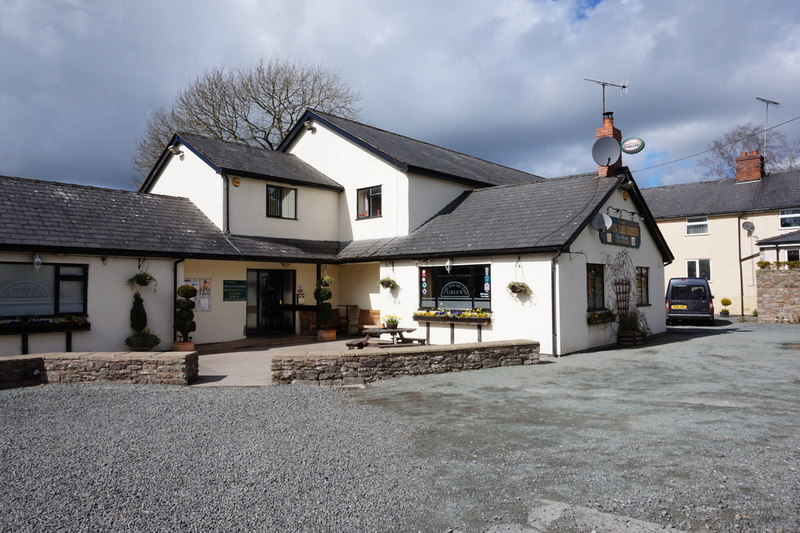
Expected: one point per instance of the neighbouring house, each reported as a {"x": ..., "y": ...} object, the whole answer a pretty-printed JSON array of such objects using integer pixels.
[
  {"x": 256, "y": 230},
  {"x": 716, "y": 229}
]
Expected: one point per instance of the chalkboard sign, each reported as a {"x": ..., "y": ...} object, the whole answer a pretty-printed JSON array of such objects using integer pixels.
[{"x": 234, "y": 290}]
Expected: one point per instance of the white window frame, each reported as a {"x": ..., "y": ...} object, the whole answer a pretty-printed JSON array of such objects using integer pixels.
[
  {"x": 696, "y": 263},
  {"x": 796, "y": 251},
  {"x": 789, "y": 218},
  {"x": 697, "y": 222}
]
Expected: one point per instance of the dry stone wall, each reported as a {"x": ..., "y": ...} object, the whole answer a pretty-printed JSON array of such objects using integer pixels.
[
  {"x": 172, "y": 368},
  {"x": 778, "y": 295},
  {"x": 357, "y": 367}
]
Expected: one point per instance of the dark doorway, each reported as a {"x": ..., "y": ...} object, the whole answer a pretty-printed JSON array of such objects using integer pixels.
[{"x": 270, "y": 300}]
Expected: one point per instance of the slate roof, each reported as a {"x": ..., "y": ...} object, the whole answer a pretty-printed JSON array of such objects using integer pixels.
[
  {"x": 775, "y": 191},
  {"x": 792, "y": 237},
  {"x": 411, "y": 155},
  {"x": 63, "y": 217},
  {"x": 248, "y": 161},
  {"x": 540, "y": 216}
]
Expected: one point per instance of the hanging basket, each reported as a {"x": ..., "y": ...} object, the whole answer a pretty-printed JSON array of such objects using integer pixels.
[{"x": 519, "y": 287}]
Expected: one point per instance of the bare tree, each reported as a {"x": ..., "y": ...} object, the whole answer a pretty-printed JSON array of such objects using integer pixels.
[
  {"x": 779, "y": 153},
  {"x": 256, "y": 105}
]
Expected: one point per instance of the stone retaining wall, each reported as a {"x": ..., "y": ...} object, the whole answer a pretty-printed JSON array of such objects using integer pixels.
[
  {"x": 170, "y": 368},
  {"x": 357, "y": 367},
  {"x": 778, "y": 295}
]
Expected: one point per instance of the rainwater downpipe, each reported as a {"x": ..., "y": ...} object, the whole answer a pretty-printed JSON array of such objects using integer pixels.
[
  {"x": 175, "y": 291},
  {"x": 741, "y": 271},
  {"x": 554, "y": 301},
  {"x": 227, "y": 228}
]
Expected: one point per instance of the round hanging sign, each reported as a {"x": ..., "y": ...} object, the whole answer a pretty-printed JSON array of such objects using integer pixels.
[{"x": 634, "y": 145}]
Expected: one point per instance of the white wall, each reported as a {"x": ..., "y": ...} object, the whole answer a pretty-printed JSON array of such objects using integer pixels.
[
  {"x": 427, "y": 196},
  {"x": 109, "y": 301},
  {"x": 575, "y": 333},
  {"x": 317, "y": 212},
  {"x": 189, "y": 176}
]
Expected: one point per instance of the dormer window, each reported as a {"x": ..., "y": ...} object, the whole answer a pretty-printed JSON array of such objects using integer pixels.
[
  {"x": 281, "y": 202},
  {"x": 368, "y": 202}
]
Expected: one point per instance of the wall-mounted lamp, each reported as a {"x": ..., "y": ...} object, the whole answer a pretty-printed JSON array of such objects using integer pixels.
[
  {"x": 448, "y": 265},
  {"x": 174, "y": 150},
  {"x": 626, "y": 185},
  {"x": 37, "y": 262},
  {"x": 309, "y": 126},
  {"x": 104, "y": 259}
]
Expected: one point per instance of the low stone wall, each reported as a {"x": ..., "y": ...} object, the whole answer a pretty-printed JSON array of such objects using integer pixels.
[
  {"x": 170, "y": 368},
  {"x": 357, "y": 367},
  {"x": 778, "y": 295}
]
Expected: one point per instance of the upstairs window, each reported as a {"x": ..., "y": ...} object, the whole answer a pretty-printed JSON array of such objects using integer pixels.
[
  {"x": 790, "y": 218},
  {"x": 698, "y": 268},
  {"x": 697, "y": 226},
  {"x": 281, "y": 202},
  {"x": 642, "y": 286},
  {"x": 51, "y": 290},
  {"x": 369, "y": 202},
  {"x": 595, "y": 290}
]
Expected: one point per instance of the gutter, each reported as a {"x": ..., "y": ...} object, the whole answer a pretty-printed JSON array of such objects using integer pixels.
[{"x": 554, "y": 300}]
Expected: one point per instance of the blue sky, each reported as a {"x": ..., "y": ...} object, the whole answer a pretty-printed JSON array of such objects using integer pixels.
[{"x": 501, "y": 80}]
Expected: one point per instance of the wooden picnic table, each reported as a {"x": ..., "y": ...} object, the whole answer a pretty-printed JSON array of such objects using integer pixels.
[{"x": 397, "y": 334}]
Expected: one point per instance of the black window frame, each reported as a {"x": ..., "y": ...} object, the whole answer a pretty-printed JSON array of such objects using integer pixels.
[
  {"x": 432, "y": 278},
  {"x": 642, "y": 286},
  {"x": 595, "y": 287},
  {"x": 58, "y": 278},
  {"x": 372, "y": 208},
  {"x": 281, "y": 214}
]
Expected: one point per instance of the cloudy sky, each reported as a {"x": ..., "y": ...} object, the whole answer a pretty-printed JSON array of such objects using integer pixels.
[{"x": 498, "y": 79}]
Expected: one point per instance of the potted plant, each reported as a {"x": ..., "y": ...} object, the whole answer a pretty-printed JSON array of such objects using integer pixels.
[
  {"x": 184, "y": 318},
  {"x": 391, "y": 321},
  {"x": 763, "y": 264},
  {"x": 140, "y": 338},
  {"x": 630, "y": 331},
  {"x": 325, "y": 281},
  {"x": 388, "y": 283},
  {"x": 519, "y": 287},
  {"x": 142, "y": 279},
  {"x": 725, "y": 303},
  {"x": 325, "y": 330}
]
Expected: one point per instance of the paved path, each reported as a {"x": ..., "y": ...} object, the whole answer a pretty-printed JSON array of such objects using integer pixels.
[{"x": 250, "y": 367}]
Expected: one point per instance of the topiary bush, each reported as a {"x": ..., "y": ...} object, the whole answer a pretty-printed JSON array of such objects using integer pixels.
[
  {"x": 184, "y": 315},
  {"x": 140, "y": 338}
]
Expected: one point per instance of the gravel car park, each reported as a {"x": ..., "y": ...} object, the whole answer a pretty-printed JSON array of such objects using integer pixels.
[{"x": 697, "y": 430}]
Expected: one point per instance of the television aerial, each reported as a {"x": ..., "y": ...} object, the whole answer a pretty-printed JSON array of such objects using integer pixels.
[{"x": 623, "y": 88}]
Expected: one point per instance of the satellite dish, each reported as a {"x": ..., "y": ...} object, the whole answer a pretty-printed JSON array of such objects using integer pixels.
[
  {"x": 606, "y": 151},
  {"x": 748, "y": 226},
  {"x": 602, "y": 221}
]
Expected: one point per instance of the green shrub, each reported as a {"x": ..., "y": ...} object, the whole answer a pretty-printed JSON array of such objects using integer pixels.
[{"x": 184, "y": 315}]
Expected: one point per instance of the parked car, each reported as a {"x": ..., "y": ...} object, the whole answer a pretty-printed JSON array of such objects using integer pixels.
[{"x": 689, "y": 299}]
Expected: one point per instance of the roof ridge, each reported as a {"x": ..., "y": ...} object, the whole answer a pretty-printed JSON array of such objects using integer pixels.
[
  {"x": 76, "y": 185},
  {"x": 427, "y": 143}
]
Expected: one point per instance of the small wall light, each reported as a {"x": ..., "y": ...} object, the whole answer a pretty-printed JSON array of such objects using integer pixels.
[
  {"x": 37, "y": 261},
  {"x": 174, "y": 150},
  {"x": 309, "y": 126},
  {"x": 448, "y": 265}
]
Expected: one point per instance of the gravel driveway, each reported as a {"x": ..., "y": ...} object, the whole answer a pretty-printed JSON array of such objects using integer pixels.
[{"x": 698, "y": 430}]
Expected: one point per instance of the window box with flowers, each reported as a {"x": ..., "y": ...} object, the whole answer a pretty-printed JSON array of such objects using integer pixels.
[
  {"x": 24, "y": 325},
  {"x": 600, "y": 316},
  {"x": 476, "y": 316}
]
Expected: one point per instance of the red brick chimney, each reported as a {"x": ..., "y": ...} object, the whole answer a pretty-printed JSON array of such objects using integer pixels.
[
  {"x": 749, "y": 167},
  {"x": 608, "y": 130}
]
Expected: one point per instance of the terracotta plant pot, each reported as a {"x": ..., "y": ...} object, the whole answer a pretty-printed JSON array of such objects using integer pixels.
[
  {"x": 178, "y": 346},
  {"x": 326, "y": 334}
]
